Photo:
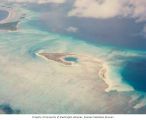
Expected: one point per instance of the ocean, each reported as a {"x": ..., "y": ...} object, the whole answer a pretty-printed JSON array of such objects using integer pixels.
[
  {"x": 3, "y": 14},
  {"x": 31, "y": 84}
]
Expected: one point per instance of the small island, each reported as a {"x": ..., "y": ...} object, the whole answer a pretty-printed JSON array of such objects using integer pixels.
[
  {"x": 70, "y": 59},
  {"x": 9, "y": 19},
  {"x": 64, "y": 58}
]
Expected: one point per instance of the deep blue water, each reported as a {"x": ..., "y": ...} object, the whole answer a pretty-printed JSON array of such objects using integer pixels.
[
  {"x": 121, "y": 33},
  {"x": 71, "y": 59},
  {"x": 134, "y": 73},
  {"x": 117, "y": 32},
  {"x": 3, "y": 14}
]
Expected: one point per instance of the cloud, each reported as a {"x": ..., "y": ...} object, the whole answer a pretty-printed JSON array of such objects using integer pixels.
[
  {"x": 95, "y": 9},
  {"x": 72, "y": 29},
  {"x": 103, "y": 9},
  {"x": 37, "y": 1},
  {"x": 137, "y": 9}
]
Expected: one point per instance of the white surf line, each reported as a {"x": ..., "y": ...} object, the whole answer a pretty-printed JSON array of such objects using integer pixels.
[
  {"x": 104, "y": 71},
  {"x": 103, "y": 75},
  {"x": 41, "y": 56},
  {"x": 114, "y": 83}
]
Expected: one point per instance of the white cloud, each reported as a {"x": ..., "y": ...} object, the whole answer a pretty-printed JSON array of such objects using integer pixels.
[
  {"x": 139, "y": 9},
  {"x": 95, "y": 9},
  {"x": 104, "y": 9},
  {"x": 37, "y": 1},
  {"x": 72, "y": 29}
]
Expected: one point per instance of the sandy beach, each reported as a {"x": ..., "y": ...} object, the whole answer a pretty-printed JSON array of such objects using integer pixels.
[{"x": 59, "y": 57}]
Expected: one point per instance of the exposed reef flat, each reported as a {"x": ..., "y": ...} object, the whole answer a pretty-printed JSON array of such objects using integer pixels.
[
  {"x": 62, "y": 58},
  {"x": 97, "y": 68},
  {"x": 58, "y": 57},
  {"x": 79, "y": 65},
  {"x": 79, "y": 59}
]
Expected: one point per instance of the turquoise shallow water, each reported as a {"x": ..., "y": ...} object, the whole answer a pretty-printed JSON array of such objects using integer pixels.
[
  {"x": 71, "y": 59},
  {"x": 49, "y": 87}
]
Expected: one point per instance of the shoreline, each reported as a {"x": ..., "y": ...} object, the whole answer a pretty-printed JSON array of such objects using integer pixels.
[
  {"x": 13, "y": 17},
  {"x": 103, "y": 70},
  {"x": 59, "y": 58}
]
